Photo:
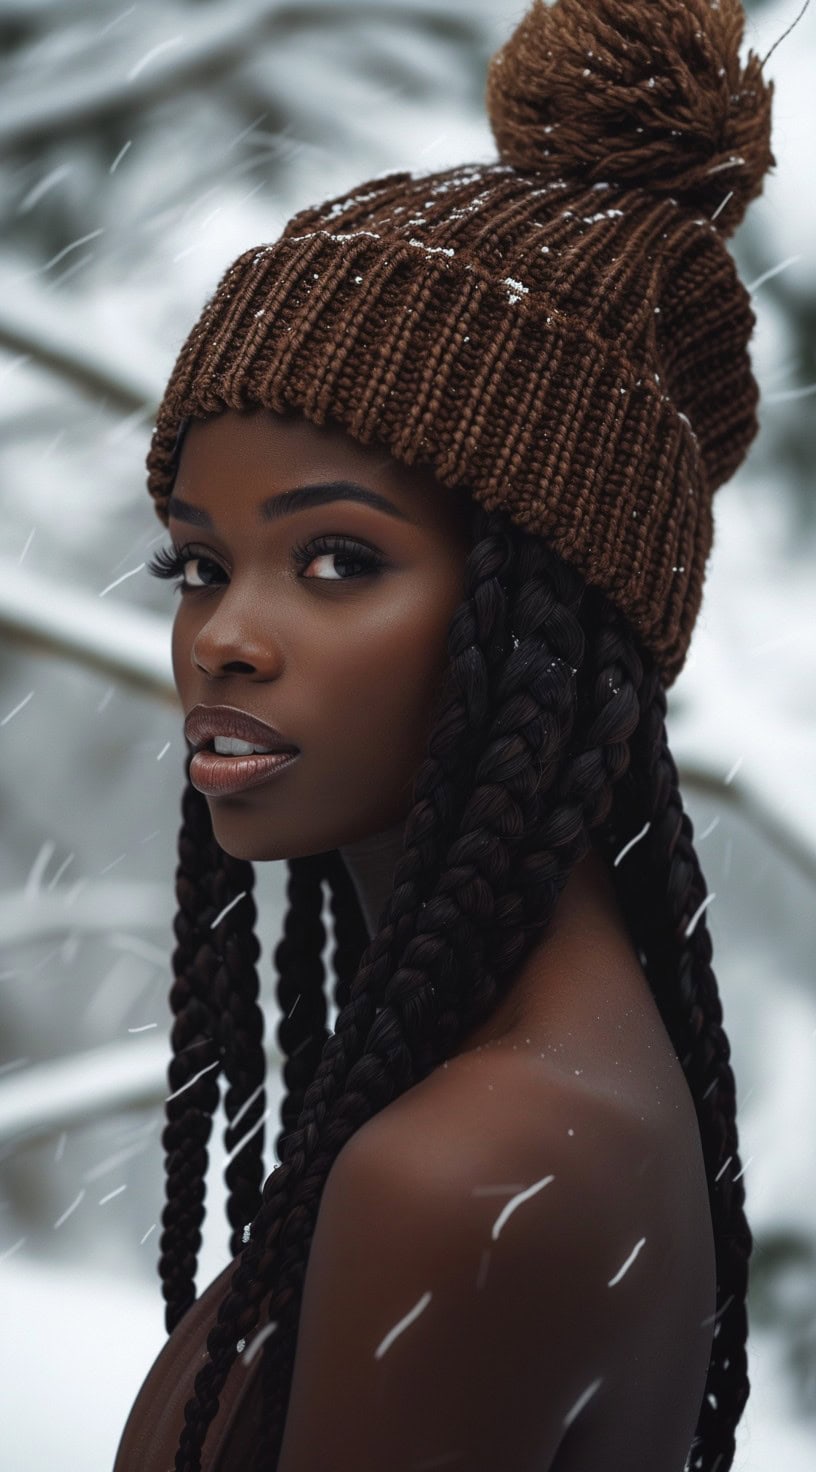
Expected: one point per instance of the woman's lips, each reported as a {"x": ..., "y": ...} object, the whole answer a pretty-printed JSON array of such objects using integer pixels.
[{"x": 221, "y": 776}]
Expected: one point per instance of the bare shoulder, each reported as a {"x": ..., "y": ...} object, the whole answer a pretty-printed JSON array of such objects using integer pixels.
[
  {"x": 488, "y": 1274},
  {"x": 501, "y": 1113},
  {"x": 540, "y": 1174},
  {"x": 588, "y": 1216}
]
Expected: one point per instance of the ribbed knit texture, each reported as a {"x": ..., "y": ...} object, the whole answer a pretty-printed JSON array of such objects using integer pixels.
[{"x": 561, "y": 332}]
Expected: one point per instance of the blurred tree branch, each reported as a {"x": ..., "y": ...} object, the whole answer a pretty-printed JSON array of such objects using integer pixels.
[
  {"x": 215, "y": 40},
  {"x": 55, "y": 344},
  {"x": 127, "y": 644}
]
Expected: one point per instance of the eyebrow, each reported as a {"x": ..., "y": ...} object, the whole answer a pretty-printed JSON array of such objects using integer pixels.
[{"x": 298, "y": 499}]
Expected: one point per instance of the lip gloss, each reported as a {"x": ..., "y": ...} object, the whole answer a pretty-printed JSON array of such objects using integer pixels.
[{"x": 221, "y": 776}]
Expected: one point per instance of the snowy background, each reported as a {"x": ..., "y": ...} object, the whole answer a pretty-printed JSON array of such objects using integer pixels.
[{"x": 143, "y": 147}]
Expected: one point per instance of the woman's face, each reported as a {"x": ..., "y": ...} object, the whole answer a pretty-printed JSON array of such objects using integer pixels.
[{"x": 341, "y": 647}]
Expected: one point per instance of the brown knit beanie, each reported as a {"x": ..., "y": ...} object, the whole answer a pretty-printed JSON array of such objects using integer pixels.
[{"x": 562, "y": 331}]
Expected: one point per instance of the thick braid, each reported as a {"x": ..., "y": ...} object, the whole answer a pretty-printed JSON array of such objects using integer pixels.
[
  {"x": 477, "y": 638},
  {"x": 300, "y": 990},
  {"x": 593, "y": 755},
  {"x": 578, "y": 763},
  {"x": 661, "y": 888},
  {"x": 534, "y": 716},
  {"x": 194, "y": 1041},
  {"x": 704, "y": 1051},
  {"x": 240, "y": 1029}
]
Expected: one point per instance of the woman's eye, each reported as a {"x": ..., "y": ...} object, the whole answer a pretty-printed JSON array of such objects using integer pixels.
[
  {"x": 336, "y": 560},
  {"x": 328, "y": 554},
  {"x": 169, "y": 563},
  {"x": 199, "y": 577}
]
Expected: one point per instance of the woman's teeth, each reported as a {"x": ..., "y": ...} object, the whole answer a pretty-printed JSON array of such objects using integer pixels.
[{"x": 231, "y": 746}]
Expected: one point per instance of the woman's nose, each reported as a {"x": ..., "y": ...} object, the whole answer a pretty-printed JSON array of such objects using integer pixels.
[{"x": 222, "y": 647}]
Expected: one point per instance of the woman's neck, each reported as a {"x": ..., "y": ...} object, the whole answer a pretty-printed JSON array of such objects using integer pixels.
[{"x": 371, "y": 862}]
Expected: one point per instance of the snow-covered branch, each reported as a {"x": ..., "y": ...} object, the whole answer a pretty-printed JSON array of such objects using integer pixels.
[
  {"x": 29, "y": 325},
  {"x": 65, "y": 1092},
  {"x": 120, "y": 641},
  {"x": 98, "y": 906},
  {"x": 754, "y": 806},
  {"x": 213, "y": 40}
]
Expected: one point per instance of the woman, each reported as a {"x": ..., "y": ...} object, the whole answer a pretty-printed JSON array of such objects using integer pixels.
[{"x": 438, "y": 467}]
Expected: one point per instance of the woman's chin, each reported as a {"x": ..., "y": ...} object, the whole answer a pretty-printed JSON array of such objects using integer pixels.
[{"x": 236, "y": 838}]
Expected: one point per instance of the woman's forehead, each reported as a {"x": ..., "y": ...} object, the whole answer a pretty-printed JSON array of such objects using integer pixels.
[{"x": 279, "y": 451}]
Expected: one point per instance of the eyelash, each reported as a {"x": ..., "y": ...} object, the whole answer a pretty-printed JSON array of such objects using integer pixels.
[{"x": 170, "y": 562}]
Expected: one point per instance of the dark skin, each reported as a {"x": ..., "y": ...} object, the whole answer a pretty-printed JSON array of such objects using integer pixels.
[
  {"x": 345, "y": 663},
  {"x": 348, "y": 668}
]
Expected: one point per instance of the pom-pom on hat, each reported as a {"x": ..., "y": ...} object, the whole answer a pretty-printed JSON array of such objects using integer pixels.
[
  {"x": 561, "y": 332},
  {"x": 648, "y": 94}
]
